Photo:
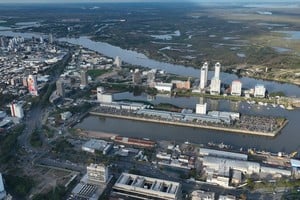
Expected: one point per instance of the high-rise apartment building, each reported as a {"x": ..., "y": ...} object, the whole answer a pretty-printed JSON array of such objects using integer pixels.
[
  {"x": 215, "y": 86},
  {"x": 16, "y": 110},
  {"x": 236, "y": 88},
  {"x": 203, "y": 76},
  {"x": 32, "y": 85}
]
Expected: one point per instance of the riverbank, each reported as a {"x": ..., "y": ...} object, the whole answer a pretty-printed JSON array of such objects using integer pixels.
[
  {"x": 228, "y": 68},
  {"x": 176, "y": 123},
  {"x": 96, "y": 134}
]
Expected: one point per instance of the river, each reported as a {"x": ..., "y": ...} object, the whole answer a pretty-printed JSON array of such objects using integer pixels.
[
  {"x": 140, "y": 59},
  {"x": 287, "y": 141}
]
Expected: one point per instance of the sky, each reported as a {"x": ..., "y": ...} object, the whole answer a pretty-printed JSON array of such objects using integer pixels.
[{"x": 116, "y": 1}]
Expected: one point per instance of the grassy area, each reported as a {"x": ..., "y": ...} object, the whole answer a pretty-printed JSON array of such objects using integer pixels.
[
  {"x": 56, "y": 193},
  {"x": 62, "y": 145},
  {"x": 9, "y": 145},
  {"x": 35, "y": 138},
  {"x": 94, "y": 73},
  {"x": 19, "y": 186},
  {"x": 287, "y": 183}
]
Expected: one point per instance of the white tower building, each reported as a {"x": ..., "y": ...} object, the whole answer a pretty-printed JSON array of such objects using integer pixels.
[
  {"x": 118, "y": 62},
  {"x": 203, "y": 76},
  {"x": 259, "y": 91},
  {"x": 236, "y": 88},
  {"x": 215, "y": 86},
  {"x": 217, "y": 70}
]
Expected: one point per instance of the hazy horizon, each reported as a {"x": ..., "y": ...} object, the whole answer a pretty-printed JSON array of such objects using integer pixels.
[{"x": 144, "y": 1}]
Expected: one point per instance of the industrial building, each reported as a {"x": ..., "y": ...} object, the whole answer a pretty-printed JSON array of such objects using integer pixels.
[
  {"x": 164, "y": 87},
  {"x": 220, "y": 114},
  {"x": 259, "y": 91},
  {"x": 222, "y": 154},
  {"x": 123, "y": 105},
  {"x": 185, "y": 117},
  {"x": 16, "y": 110},
  {"x": 182, "y": 84},
  {"x": 141, "y": 187},
  {"x": 97, "y": 145},
  {"x": 236, "y": 88},
  {"x": 225, "y": 164}
]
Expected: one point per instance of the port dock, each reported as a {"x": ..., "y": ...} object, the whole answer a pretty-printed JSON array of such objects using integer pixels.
[{"x": 232, "y": 129}]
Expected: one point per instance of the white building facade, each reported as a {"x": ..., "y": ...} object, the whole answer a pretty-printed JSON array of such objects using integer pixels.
[
  {"x": 259, "y": 91},
  {"x": 16, "y": 110},
  {"x": 201, "y": 109},
  {"x": 97, "y": 173},
  {"x": 217, "y": 70},
  {"x": 236, "y": 88},
  {"x": 203, "y": 76},
  {"x": 215, "y": 86}
]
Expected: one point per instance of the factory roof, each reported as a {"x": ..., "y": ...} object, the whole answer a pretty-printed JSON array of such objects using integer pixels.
[{"x": 223, "y": 154}]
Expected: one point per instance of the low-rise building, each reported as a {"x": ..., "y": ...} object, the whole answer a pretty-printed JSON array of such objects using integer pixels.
[
  {"x": 227, "y": 197},
  {"x": 182, "y": 84},
  {"x": 66, "y": 115},
  {"x": 141, "y": 187},
  {"x": 201, "y": 109},
  {"x": 202, "y": 195},
  {"x": 97, "y": 145},
  {"x": 164, "y": 87}
]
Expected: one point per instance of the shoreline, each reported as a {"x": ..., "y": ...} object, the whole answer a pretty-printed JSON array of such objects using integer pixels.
[
  {"x": 149, "y": 56},
  {"x": 232, "y": 130},
  {"x": 96, "y": 134}
]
